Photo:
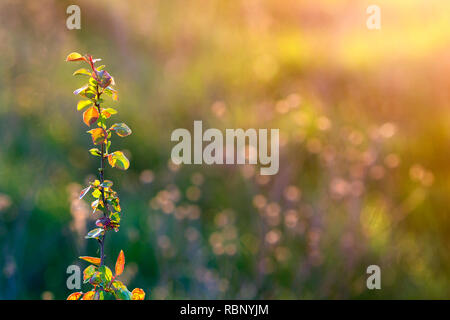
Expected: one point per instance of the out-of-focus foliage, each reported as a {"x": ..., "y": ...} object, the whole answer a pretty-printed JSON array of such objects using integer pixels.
[{"x": 364, "y": 123}]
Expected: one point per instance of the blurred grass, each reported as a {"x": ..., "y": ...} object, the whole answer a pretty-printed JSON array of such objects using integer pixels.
[{"x": 364, "y": 125}]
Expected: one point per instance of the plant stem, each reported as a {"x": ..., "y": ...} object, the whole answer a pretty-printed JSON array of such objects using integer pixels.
[
  {"x": 102, "y": 249},
  {"x": 102, "y": 179},
  {"x": 102, "y": 242}
]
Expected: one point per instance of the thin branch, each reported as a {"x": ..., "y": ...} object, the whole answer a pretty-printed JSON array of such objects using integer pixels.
[{"x": 101, "y": 172}]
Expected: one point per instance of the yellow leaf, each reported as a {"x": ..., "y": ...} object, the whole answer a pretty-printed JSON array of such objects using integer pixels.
[
  {"x": 108, "y": 112},
  {"x": 75, "y": 56},
  {"x": 91, "y": 260},
  {"x": 82, "y": 71},
  {"x": 118, "y": 160},
  {"x": 75, "y": 296},
  {"x": 137, "y": 294},
  {"x": 97, "y": 193},
  {"x": 83, "y": 104},
  {"x": 120, "y": 263}
]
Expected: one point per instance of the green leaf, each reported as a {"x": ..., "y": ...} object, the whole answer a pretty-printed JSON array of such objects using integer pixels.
[
  {"x": 123, "y": 294},
  {"x": 115, "y": 217},
  {"x": 118, "y": 160},
  {"x": 120, "y": 291},
  {"x": 92, "y": 82},
  {"x": 95, "y": 279},
  {"x": 107, "y": 184},
  {"x": 121, "y": 129},
  {"x": 82, "y": 71},
  {"x": 105, "y": 274},
  {"x": 89, "y": 94},
  {"x": 83, "y": 104},
  {"x": 89, "y": 272},
  {"x": 95, "y": 233}
]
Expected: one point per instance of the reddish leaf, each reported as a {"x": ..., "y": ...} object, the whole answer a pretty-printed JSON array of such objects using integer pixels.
[
  {"x": 75, "y": 296},
  {"x": 103, "y": 78},
  {"x": 89, "y": 295},
  {"x": 103, "y": 222},
  {"x": 91, "y": 260},
  {"x": 120, "y": 263}
]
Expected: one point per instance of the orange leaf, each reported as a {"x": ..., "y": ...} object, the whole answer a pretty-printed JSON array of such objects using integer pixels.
[
  {"x": 91, "y": 260},
  {"x": 75, "y": 56},
  {"x": 120, "y": 263},
  {"x": 90, "y": 116},
  {"x": 137, "y": 294},
  {"x": 106, "y": 114},
  {"x": 75, "y": 296},
  {"x": 89, "y": 295},
  {"x": 98, "y": 135}
]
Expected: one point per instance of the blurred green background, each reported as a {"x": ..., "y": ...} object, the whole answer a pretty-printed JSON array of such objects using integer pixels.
[{"x": 364, "y": 125}]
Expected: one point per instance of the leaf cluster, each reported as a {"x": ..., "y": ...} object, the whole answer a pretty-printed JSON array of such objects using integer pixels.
[{"x": 101, "y": 84}]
